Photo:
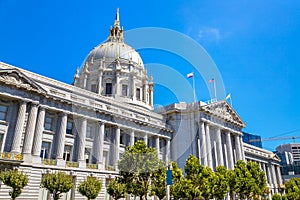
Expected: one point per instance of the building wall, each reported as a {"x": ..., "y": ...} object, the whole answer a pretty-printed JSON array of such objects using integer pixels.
[{"x": 48, "y": 125}]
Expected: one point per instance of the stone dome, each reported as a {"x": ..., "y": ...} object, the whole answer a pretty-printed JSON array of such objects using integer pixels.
[
  {"x": 111, "y": 50},
  {"x": 114, "y": 69}
]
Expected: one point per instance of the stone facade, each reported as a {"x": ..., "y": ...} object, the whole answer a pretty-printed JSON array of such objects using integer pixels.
[{"x": 83, "y": 128}]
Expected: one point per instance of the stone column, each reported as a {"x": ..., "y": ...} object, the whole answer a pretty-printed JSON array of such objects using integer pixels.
[
  {"x": 37, "y": 142},
  {"x": 146, "y": 139},
  {"x": 61, "y": 137},
  {"x": 263, "y": 167},
  {"x": 279, "y": 175},
  {"x": 157, "y": 145},
  {"x": 274, "y": 178},
  {"x": 133, "y": 89},
  {"x": 98, "y": 144},
  {"x": 28, "y": 140},
  {"x": 151, "y": 85},
  {"x": 101, "y": 148},
  {"x": 269, "y": 174},
  {"x": 145, "y": 92},
  {"x": 242, "y": 149},
  {"x": 220, "y": 155},
  {"x": 100, "y": 81},
  {"x": 167, "y": 150},
  {"x": 132, "y": 138},
  {"x": 238, "y": 149},
  {"x": 209, "y": 147},
  {"x": 117, "y": 90},
  {"x": 229, "y": 151},
  {"x": 117, "y": 147},
  {"x": 19, "y": 128},
  {"x": 81, "y": 140},
  {"x": 203, "y": 144}
]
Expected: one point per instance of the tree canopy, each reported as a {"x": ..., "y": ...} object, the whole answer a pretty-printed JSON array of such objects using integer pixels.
[
  {"x": 16, "y": 180},
  {"x": 116, "y": 189},
  {"x": 138, "y": 166},
  {"x": 292, "y": 188},
  {"x": 249, "y": 179},
  {"x": 57, "y": 183},
  {"x": 90, "y": 187}
]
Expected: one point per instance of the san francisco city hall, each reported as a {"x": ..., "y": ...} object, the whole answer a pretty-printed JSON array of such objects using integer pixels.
[{"x": 83, "y": 128}]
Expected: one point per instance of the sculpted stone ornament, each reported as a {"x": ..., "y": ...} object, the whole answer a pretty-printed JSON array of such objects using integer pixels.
[
  {"x": 223, "y": 110},
  {"x": 18, "y": 79}
]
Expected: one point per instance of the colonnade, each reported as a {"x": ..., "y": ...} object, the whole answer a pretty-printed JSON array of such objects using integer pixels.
[
  {"x": 34, "y": 131},
  {"x": 219, "y": 146}
]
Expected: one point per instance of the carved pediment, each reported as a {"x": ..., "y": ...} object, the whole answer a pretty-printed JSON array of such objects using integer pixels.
[
  {"x": 18, "y": 79},
  {"x": 224, "y": 111}
]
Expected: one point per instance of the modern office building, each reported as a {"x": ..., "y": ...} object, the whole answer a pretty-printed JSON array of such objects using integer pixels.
[
  {"x": 252, "y": 139},
  {"x": 83, "y": 128}
]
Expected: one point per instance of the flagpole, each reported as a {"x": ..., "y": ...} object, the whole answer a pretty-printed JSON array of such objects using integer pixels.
[
  {"x": 215, "y": 89},
  {"x": 194, "y": 88}
]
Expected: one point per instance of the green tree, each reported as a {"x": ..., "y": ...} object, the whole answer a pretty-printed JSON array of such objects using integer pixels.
[
  {"x": 292, "y": 189},
  {"x": 90, "y": 187},
  {"x": 220, "y": 183},
  {"x": 137, "y": 167},
  {"x": 158, "y": 185},
  {"x": 200, "y": 177},
  {"x": 276, "y": 197},
  {"x": 116, "y": 189},
  {"x": 57, "y": 183},
  {"x": 16, "y": 180},
  {"x": 184, "y": 189},
  {"x": 177, "y": 177},
  {"x": 250, "y": 181}
]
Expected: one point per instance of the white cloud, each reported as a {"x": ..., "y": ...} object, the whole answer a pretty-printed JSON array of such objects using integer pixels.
[{"x": 208, "y": 34}]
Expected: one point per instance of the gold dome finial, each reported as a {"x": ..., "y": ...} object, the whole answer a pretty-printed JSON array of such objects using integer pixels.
[{"x": 116, "y": 33}]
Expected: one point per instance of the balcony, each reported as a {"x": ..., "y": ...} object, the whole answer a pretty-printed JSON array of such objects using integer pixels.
[
  {"x": 72, "y": 164},
  {"x": 11, "y": 157},
  {"x": 49, "y": 162}
]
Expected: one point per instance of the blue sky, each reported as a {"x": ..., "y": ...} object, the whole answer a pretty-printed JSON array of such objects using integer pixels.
[{"x": 255, "y": 45}]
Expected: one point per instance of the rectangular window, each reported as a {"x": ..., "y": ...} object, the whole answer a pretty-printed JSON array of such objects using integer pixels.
[
  {"x": 138, "y": 94},
  {"x": 107, "y": 134},
  {"x": 87, "y": 155},
  {"x": 3, "y": 112},
  {"x": 45, "y": 150},
  {"x": 48, "y": 123},
  {"x": 89, "y": 131},
  {"x": 67, "y": 152},
  {"x": 69, "y": 127},
  {"x": 94, "y": 88},
  {"x": 1, "y": 140},
  {"x": 124, "y": 90},
  {"x": 108, "y": 88}
]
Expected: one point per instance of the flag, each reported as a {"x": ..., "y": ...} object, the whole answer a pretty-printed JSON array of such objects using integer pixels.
[
  {"x": 211, "y": 80},
  {"x": 228, "y": 96},
  {"x": 190, "y": 75}
]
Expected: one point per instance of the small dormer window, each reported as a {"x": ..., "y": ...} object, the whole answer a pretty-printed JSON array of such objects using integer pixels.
[
  {"x": 138, "y": 94},
  {"x": 124, "y": 90},
  {"x": 94, "y": 88},
  {"x": 108, "y": 88}
]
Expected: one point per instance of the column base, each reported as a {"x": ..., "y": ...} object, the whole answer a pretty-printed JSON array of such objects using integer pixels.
[
  {"x": 81, "y": 164},
  {"x": 28, "y": 158},
  {"x": 101, "y": 166},
  {"x": 36, "y": 159},
  {"x": 61, "y": 163}
]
